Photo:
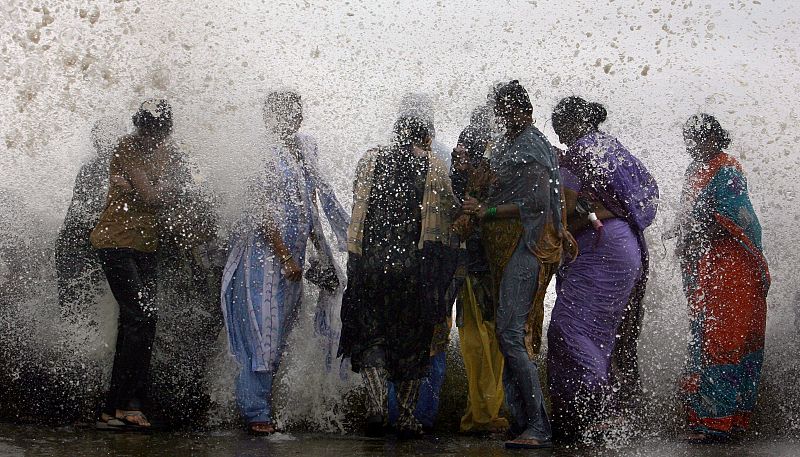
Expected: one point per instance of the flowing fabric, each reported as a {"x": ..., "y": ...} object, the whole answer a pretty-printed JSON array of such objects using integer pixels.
[
  {"x": 726, "y": 280},
  {"x": 258, "y": 302},
  {"x": 483, "y": 361},
  {"x": 593, "y": 293},
  {"x": 607, "y": 172},
  {"x": 480, "y": 350}
]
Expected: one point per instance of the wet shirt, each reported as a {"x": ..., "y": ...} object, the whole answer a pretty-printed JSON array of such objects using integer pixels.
[
  {"x": 128, "y": 221},
  {"x": 527, "y": 176}
]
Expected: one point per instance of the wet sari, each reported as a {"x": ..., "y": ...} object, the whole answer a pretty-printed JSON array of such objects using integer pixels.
[
  {"x": 726, "y": 279},
  {"x": 597, "y": 316}
]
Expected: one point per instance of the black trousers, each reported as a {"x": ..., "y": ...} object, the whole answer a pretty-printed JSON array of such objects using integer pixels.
[{"x": 131, "y": 275}]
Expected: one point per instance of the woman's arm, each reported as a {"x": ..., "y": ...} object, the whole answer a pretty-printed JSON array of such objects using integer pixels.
[
  {"x": 577, "y": 222},
  {"x": 534, "y": 189},
  {"x": 275, "y": 241},
  {"x": 474, "y": 207}
]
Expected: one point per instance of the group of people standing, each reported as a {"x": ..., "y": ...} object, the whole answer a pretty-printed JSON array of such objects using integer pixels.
[{"x": 486, "y": 227}]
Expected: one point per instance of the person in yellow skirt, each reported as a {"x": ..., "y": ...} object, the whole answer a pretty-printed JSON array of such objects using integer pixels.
[{"x": 483, "y": 361}]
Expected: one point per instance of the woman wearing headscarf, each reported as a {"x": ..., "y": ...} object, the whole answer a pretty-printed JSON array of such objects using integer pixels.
[
  {"x": 261, "y": 282},
  {"x": 523, "y": 235},
  {"x": 126, "y": 238},
  {"x": 726, "y": 279},
  {"x": 396, "y": 268},
  {"x": 600, "y": 291}
]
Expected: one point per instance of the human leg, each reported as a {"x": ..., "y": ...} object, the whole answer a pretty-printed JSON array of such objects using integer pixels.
[
  {"x": 728, "y": 310},
  {"x": 430, "y": 390},
  {"x": 593, "y": 298},
  {"x": 483, "y": 361},
  {"x": 521, "y": 374},
  {"x": 407, "y": 396},
  {"x": 131, "y": 276},
  {"x": 253, "y": 394}
]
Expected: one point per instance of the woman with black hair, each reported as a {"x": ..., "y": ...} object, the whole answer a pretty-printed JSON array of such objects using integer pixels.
[
  {"x": 523, "y": 235},
  {"x": 402, "y": 206},
  {"x": 726, "y": 279},
  {"x": 610, "y": 199},
  {"x": 126, "y": 238}
]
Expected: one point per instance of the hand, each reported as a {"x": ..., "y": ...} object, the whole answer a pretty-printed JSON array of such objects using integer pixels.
[
  {"x": 292, "y": 271},
  {"x": 474, "y": 207}
]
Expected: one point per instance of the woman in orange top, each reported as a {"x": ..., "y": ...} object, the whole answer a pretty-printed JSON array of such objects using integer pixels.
[{"x": 126, "y": 239}]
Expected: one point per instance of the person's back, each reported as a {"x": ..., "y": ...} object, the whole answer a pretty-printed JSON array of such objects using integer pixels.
[
  {"x": 596, "y": 319},
  {"x": 78, "y": 269}
]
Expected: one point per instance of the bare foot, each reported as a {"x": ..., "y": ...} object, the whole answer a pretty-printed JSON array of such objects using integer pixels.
[
  {"x": 132, "y": 417},
  {"x": 261, "y": 428}
]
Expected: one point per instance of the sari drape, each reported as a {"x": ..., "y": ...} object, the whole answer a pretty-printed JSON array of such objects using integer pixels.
[{"x": 726, "y": 280}]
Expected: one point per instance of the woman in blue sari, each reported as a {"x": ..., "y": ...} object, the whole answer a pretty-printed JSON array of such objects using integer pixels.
[{"x": 261, "y": 284}]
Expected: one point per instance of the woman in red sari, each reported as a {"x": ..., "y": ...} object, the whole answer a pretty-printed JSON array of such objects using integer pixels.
[{"x": 726, "y": 279}]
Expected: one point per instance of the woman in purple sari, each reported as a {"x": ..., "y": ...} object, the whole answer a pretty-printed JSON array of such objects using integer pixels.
[{"x": 610, "y": 199}]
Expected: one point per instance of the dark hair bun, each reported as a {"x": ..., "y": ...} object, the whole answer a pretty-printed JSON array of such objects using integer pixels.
[
  {"x": 596, "y": 114},
  {"x": 576, "y": 109}
]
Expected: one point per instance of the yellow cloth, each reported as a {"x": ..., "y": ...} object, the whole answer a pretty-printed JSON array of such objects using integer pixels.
[
  {"x": 483, "y": 363},
  {"x": 438, "y": 203},
  {"x": 362, "y": 186}
]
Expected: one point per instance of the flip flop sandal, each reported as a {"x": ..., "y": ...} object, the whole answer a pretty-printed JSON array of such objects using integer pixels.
[
  {"x": 130, "y": 425},
  {"x": 522, "y": 445},
  {"x": 110, "y": 425}
]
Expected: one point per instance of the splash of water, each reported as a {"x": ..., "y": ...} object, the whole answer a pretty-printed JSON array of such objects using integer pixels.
[{"x": 64, "y": 66}]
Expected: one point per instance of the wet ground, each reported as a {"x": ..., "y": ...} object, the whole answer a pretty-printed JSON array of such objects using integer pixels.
[{"x": 29, "y": 441}]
